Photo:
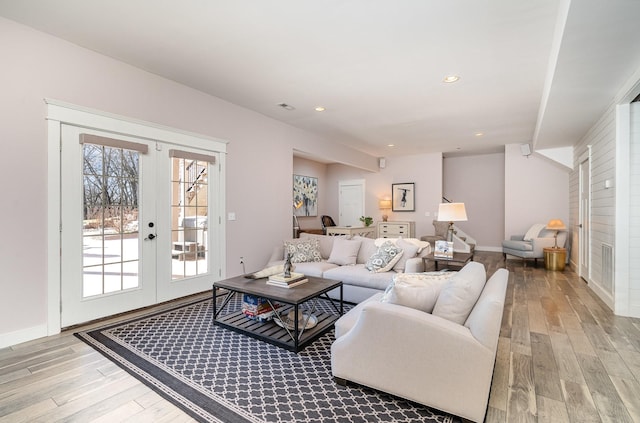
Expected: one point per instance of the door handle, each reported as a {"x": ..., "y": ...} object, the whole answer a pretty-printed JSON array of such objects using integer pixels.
[{"x": 150, "y": 237}]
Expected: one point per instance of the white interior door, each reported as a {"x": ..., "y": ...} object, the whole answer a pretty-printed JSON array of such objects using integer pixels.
[
  {"x": 351, "y": 202},
  {"x": 136, "y": 223},
  {"x": 583, "y": 224}
]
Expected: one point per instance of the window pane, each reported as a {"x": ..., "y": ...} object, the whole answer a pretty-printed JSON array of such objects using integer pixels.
[{"x": 110, "y": 225}]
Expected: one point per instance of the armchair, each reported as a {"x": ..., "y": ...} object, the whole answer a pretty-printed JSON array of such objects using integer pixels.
[
  {"x": 531, "y": 244},
  {"x": 462, "y": 243}
]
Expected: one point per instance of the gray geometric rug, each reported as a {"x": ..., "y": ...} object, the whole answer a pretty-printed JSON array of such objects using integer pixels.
[{"x": 217, "y": 375}]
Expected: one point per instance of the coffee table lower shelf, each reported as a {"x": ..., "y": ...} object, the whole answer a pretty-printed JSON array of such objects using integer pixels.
[
  {"x": 306, "y": 296},
  {"x": 274, "y": 334}
]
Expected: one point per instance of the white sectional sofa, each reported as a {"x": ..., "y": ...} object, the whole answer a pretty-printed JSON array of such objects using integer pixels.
[
  {"x": 359, "y": 283},
  {"x": 442, "y": 358}
]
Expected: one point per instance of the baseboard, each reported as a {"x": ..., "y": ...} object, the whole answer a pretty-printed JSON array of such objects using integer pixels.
[
  {"x": 602, "y": 294},
  {"x": 13, "y": 338},
  {"x": 487, "y": 248}
]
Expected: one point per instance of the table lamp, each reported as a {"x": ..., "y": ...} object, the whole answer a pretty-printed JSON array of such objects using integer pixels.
[
  {"x": 384, "y": 205},
  {"x": 451, "y": 212},
  {"x": 556, "y": 225},
  {"x": 296, "y": 225}
]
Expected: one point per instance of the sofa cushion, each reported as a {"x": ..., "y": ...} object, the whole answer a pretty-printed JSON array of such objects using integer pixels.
[
  {"x": 303, "y": 250},
  {"x": 384, "y": 258},
  {"x": 416, "y": 290},
  {"x": 409, "y": 250},
  {"x": 517, "y": 245},
  {"x": 325, "y": 242},
  {"x": 415, "y": 241},
  {"x": 358, "y": 275},
  {"x": 534, "y": 231},
  {"x": 460, "y": 293},
  {"x": 367, "y": 248},
  {"x": 314, "y": 268},
  {"x": 345, "y": 251}
]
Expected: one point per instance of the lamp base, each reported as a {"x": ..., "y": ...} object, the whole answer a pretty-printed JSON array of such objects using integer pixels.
[
  {"x": 384, "y": 217},
  {"x": 450, "y": 232}
]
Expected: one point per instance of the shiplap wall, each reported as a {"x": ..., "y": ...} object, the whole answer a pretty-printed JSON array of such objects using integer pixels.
[{"x": 602, "y": 139}]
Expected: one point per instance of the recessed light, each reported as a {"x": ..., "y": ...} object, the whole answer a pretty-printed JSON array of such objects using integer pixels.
[
  {"x": 391, "y": 145},
  {"x": 479, "y": 134},
  {"x": 450, "y": 79},
  {"x": 319, "y": 109}
]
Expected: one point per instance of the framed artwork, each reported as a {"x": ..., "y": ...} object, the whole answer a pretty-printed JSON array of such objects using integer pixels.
[
  {"x": 403, "y": 197},
  {"x": 443, "y": 249},
  {"x": 305, "y": 196}
]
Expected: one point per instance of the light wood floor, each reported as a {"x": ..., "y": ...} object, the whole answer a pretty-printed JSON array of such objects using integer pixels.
[{"x": 562, "y": 357}]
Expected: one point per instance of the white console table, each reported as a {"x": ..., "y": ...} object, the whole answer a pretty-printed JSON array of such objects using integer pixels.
[{"x": 351, "y": 230}]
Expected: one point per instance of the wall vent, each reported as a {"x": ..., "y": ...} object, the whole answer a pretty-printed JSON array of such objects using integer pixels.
[{"x": 607, "y": 267}]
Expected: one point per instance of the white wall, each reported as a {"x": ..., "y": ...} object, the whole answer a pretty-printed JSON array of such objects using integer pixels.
[
  {"x": 536, "y": 191},
  {"x": 425, "y": 170},
  {"x": 632, "y": 307},
  {"x": 478, "y": 182},
  {"x": 37, "y": 66}
]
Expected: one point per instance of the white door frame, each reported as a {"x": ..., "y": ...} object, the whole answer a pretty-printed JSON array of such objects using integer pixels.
[
  {"x": 59, "y": 113},
  {"x": 584, "y": 221}
]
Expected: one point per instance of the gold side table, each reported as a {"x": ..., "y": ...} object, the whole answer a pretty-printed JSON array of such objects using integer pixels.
[{"x": 554, "y": 258}]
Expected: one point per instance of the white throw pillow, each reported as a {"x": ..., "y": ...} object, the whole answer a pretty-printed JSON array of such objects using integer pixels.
[
  {"x": 409, "y": 251},
  {"x": 384, "y": 259},
  {"x": 303, "y": 250},
  {"x": 344, "y": 252},
  {"x": 459, "y": 295},
  {"x": 534, "y": 231},
  {"x": 416, "y": 290}
]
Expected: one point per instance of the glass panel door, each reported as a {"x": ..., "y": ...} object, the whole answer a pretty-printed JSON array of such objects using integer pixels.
[{"x": 108, "y": 259}]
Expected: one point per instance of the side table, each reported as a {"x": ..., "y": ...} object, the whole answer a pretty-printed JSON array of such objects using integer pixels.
[
  {"x": 554, "y": 258},
  {"x": 459, "y": 259}
]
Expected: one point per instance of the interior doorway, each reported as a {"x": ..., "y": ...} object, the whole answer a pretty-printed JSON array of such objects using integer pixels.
[{"x": 351, "y": 202}]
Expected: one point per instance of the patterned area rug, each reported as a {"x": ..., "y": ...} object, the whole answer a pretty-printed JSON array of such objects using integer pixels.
[{"x": 217, "y": 375}]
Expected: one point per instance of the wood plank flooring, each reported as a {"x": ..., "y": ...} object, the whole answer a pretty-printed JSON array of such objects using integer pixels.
[{"x": 562, "y": 357}]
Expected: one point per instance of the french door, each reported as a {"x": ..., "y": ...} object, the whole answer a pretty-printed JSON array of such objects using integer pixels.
[{"x": 136, "y": 222}]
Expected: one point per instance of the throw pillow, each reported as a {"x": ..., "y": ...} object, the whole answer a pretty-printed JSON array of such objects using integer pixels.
[
  {"x": 303, "y": 250},
  {"x": 384, "y": 258},
  {"x": 409, "y": 251},
  {"x": 534, "y": 231},
  {"x": 344, "y": 252},
  {"x": 459, "y": 295},
  {"x": 416, "y": 290}
]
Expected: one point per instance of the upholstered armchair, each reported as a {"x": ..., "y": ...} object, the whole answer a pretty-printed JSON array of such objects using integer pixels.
[
  {"x": 462, "y": 243},
  {"x": 531, "y": 244}
]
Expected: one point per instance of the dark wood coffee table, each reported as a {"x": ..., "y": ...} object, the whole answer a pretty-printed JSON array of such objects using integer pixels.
[
  {"x": 277, "y": 331},
  {"x": 459, "y": 259}
]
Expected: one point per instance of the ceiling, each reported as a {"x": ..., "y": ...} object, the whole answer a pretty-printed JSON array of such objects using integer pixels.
[{"x": 539, "y": 72}]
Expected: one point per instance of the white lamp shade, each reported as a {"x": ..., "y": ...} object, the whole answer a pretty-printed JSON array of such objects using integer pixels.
[
  {"x": 451, "y": 212},
  {"x": 384, "y": 204}
]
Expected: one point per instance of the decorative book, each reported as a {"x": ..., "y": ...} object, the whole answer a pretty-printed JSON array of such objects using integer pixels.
[
  {"x": 443, "y": 249},
  {"x": 295, "y": 277},
  {"x": 288, "y": 285}
]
